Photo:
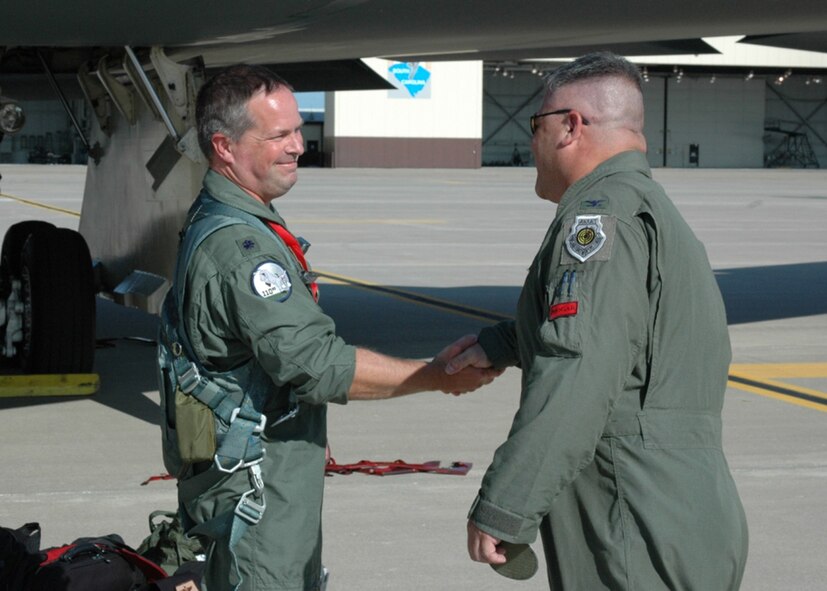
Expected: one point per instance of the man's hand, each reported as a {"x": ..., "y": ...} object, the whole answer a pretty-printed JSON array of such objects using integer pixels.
[
  {"x": 465, "y": 352},
  {"x": 467, "y": 377},
  {"x": 483, "y": 547}
]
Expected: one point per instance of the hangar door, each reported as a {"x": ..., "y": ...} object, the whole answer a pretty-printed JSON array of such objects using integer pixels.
[{"x": 704, "y": 121}]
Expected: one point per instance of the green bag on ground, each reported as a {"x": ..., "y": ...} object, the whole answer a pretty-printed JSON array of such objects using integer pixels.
[{"x": 167, "y": 545}]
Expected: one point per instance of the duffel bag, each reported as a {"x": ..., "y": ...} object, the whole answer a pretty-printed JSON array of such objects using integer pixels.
[{"x": 87, "y": 564}]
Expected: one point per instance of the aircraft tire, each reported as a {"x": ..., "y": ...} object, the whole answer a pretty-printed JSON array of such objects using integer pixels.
[
  {"x": 59, "y": 299},
  {"x": 13, "y": 242}
]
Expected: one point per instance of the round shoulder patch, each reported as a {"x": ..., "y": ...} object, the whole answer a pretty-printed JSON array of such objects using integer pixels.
[{"x": 269, "y": 280}]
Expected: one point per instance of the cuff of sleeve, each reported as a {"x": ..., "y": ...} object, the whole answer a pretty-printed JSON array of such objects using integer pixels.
[
  {"x": 333, "y": 384},
  {"x": 347, "y": 367},
  {"x": 496, "y": 347},
  {"x": 502, "y": 524}
]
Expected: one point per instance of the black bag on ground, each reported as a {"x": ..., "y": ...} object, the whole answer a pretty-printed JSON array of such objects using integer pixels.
[
  {"x": 19, "y": 555},
  {"x": 91, "y": 564},
  {"x": 87, "y": 564}
]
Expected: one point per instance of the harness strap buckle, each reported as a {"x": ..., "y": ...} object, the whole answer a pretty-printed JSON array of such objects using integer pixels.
[
  {"x": 238, "y": 465},
  {"x": 262, "y": 422},
  {"x": 256, "y": 479},
  {"x": 189, "y": 379},
  {"x": 249, "y": 510}
]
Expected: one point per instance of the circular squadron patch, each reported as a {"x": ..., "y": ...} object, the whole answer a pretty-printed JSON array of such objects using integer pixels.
[
  {"x": 270, "y": 280},
  {"x": 586, "y": 237}
]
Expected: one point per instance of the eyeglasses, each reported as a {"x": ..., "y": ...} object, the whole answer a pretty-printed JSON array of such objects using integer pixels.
[{"x": 532, "y": 121}]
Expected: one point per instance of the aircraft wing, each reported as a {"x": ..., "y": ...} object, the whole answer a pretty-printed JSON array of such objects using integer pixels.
[
  {"x": 808, "y": 41},
  {"x": 322, "y": 30}
]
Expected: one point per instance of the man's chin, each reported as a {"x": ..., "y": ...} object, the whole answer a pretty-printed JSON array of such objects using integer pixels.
[
  {"x": 547, "y": 193},
  {"x": 541, "y": 191}
]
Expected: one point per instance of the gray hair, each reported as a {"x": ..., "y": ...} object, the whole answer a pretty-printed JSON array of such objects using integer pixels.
[
  {"x": 599, "y": 64},
  {"x": 221, "y": 106}
]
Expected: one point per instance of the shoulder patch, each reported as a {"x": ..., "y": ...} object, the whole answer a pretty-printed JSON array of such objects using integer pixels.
[
  {"x": 248, "y": 245},
  {"x": 590, "y": 236},
  {"x": 269, "y": 280}
]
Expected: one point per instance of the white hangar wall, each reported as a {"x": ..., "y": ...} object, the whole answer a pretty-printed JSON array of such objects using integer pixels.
[{"x": 435, "y": 124}]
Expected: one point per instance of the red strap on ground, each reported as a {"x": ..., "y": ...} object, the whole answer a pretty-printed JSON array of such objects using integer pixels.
[
  {"x": 396, "y": 467},
  {"x": 377, "y": 468},
  {"x": 158, "y": 477}
]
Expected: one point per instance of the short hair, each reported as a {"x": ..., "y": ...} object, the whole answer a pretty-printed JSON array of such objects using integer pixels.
[
  {"x": 221, "y": 106},
  {"x": 599, "y": 64}
]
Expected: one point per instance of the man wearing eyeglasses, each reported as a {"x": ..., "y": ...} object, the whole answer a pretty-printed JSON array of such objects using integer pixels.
[{"x": 615, "y": 454}]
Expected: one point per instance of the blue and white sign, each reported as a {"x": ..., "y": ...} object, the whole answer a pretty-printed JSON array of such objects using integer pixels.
[{"x": 412, "y": 80}]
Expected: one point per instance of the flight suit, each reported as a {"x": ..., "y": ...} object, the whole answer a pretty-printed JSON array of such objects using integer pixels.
[
  {"x": 247, "y": 297},
  {"x": 615, "y": 454}
]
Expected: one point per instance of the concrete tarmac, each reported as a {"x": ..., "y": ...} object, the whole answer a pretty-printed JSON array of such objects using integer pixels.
[{"x": 461, "y": 242}]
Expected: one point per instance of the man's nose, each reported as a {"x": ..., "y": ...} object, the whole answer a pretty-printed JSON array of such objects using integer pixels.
[{"x": 297, "y": 145}]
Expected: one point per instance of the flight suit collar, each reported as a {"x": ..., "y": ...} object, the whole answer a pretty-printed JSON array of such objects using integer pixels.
[
  {"x": 226, "y": 191},
  {"x": 631, "y": 161}
]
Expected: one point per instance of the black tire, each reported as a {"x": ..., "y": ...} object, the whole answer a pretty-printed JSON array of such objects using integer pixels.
[
  {"x": 59, "y": 298},
  {"x": 13, "y": 242}
]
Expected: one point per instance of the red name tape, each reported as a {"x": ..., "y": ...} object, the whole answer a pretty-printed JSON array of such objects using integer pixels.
[{"x": 562, "y": 310}]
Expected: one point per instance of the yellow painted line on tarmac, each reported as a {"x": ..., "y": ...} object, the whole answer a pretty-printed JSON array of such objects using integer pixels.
[
  {"x": 40, "y": 205},
  {"x": 762, "y": 379},
  {"x": 418, "y": 298},
  {"x": 782, "y": 370},
  {"x": 76, "y": 384}
]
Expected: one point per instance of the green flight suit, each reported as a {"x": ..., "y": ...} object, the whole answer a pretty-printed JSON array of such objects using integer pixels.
[
  {"x": 230, "y": 317},
  {"x": 615, "y": 452}
]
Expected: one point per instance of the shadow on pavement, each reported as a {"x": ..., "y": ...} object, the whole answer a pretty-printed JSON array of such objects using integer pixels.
[{"x": 125, "y": 359}]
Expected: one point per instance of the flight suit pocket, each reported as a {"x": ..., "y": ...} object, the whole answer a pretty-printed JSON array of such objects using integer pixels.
[
  {"x": 195, "y": 429},
  {"x": 560, "y": 330}
]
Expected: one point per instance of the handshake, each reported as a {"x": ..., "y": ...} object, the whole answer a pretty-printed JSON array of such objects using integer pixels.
[{"x": 463, "y": 367}]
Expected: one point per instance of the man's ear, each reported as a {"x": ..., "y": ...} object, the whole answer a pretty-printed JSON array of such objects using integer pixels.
[
  {"x": 574, "y": 127},
  {"x": 223, "y": 147}
]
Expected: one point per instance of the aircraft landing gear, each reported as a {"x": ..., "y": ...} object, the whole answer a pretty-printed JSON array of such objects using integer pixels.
[{"x": 47, "y": 300}]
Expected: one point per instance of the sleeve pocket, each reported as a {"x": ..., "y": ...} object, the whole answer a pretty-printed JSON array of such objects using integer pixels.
[{"x": 560, "y": 331}]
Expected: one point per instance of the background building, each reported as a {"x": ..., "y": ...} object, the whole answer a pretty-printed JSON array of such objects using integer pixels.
[{"x": 744, "y": 107}]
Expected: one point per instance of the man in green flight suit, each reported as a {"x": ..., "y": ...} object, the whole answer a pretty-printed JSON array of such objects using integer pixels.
[
  {"x": 615, "y": 452},
  {"x": 248, "y": 308}
]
